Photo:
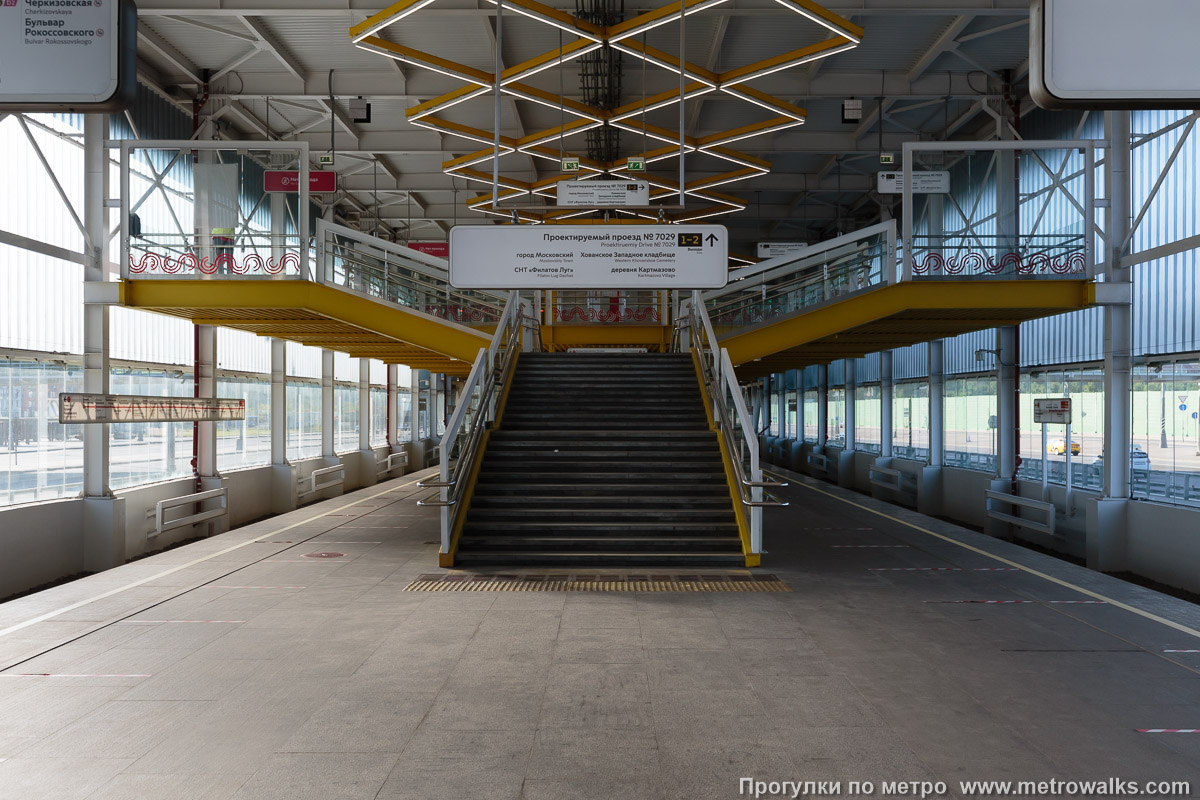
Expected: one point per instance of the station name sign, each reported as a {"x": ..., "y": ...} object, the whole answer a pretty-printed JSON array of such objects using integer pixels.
[
  {"x": 589, "y": 257},
  {"x": 75, "y": 408},
  {"x": 59, "y": 55}
]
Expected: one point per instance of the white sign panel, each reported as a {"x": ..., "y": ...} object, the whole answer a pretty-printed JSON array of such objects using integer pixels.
[
  {"x": 620, "y": 194},
  {"x": 58, "y": 50},
  {"x": 1052, "y": 410},
  {"x": 1114, "y": 53},
  {"x": 775, "y": 249},
  {"x": 84, "y": 408},
  {"x": 923, "y": 182},
  {"x": 589, "y": 256}
]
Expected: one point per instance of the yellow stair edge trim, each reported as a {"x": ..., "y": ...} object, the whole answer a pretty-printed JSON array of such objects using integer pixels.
[{"x": 739, "y": 510}]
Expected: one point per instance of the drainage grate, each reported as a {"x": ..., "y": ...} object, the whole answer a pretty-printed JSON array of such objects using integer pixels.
[{"x": 460, "y": 582}]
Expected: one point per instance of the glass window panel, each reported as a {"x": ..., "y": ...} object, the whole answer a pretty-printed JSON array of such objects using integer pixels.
[
  {"x": 868, "y": 407},
  {"x": 245, "y": 442},
  {"x": 149, "y": 452},
  {"x": 303, "y": 420},
  {"x": 39, "y": 458},
  {"x": 345, "y": 418}
]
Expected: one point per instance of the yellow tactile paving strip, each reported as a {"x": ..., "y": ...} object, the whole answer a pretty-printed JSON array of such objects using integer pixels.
[{"x": 597, "y": 583}]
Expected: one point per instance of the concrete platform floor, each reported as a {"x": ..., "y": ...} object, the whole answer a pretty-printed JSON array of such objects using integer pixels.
[{"x": 237, "y": 668}]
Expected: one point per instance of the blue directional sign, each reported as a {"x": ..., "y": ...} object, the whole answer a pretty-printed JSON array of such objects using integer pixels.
[{"x": 1183, "y": 407}]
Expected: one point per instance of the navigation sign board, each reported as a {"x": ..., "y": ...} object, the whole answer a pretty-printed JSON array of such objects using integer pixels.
[
  {"x": 776, "y": 249},
  {"x": 589, "y": 257},
  {"x": 923, "y": 182},
  {"x": 288, "y": 180},
  {"x": 593, "y": 194},
  {"x": 1052, "y": 410},
  {"x": 60, "y": 55},
  {"x": 85, "y": 408}
]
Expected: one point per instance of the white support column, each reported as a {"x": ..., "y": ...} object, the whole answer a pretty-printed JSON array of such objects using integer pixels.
[
  {"x": 1008, "y": 228},
  {"x": 822, "y": 405},
  {"x": 1118, "y": 331},
  {"x": 95, "y": 315},
  {"x": 368, "y": 469},
  {"x": 364, "y": 404},
  {"x": 393, "y": 396},
  {"x": 850, "y": 387},
  {"x": 929, "y": 492},
  {"x": 207, "y": 476},
  {"x": 800, "y": 404},
  {"x": 845, "y": 471},
  {"x": 104, "y": 515},
  {"x": 1007, "y": 368},
  {"x": 327, "y": 426},
  {"x": 937, "y": 405},
  {"x": 885, "y": 404},
  {"x": 283, "y": 486},
  {"x": 278, "y": 401},
  {"x": 1107, "y": 518},
  {"x": 781, "y": 403},
  {"x": 206, "y": 386}
]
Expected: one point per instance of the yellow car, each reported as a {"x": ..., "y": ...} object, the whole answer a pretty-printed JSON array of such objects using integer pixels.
[{"x": 1057, "y": 447}]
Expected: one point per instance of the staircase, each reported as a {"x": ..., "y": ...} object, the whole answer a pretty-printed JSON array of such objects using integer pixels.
[{"x": 602, "y": 460}]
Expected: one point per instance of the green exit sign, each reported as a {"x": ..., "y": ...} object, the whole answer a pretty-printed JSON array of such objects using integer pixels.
[
  {"x": 325, "y": 158},
  {"x": 635, "y": 164},
  {"x": 570, "y": 165},
  {"x": 887, "y": 159}
]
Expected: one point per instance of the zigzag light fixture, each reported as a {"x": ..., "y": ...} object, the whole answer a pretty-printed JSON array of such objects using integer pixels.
[{"x": 695, "y": 81}]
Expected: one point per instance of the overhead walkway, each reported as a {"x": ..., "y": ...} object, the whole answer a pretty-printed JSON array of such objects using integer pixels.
[
  {"x": 363, "y": 296},
  {"x": 854, "y": 295}
]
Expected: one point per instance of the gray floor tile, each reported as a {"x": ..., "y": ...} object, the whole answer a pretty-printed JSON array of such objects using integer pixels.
[
  {"x": 360, "y": 722},
  {"x": 55, "y": 778},
  {"x": 319, "y": 776}
]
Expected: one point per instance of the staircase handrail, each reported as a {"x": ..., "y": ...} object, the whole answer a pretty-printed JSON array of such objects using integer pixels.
[
  {"x": 718, "y": 377},
  {"x": 490, "y": 372}
]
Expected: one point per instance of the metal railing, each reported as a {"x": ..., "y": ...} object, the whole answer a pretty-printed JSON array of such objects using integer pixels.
[
  {"x": 364, "y": 264},
  {"x": 475, "y": 411},
  {"x": 316, "y": 485},
  {"x": 162, "y": 524},
  {"x": 387, "y": 464},
  {"x": 694, "y": 331},
  {"x": 1014, "y": 502},
  {"x": 806, "y": 279}
]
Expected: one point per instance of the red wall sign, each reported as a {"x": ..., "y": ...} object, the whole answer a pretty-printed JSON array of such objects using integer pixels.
[
  {"x": 435, "y": 249},
  {"x": 289, "y": 181}
]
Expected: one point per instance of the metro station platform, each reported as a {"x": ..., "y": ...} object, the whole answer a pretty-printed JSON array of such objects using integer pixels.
[{"x": 904, "y": 649}]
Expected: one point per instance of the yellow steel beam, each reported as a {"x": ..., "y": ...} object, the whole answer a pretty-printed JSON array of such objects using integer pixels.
[
  {"x": 980, "y": 303},
  {"x": 436, "y": 63},
  {"x": 563, "y": 336},
  {"x": 200, "y": 299}
]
